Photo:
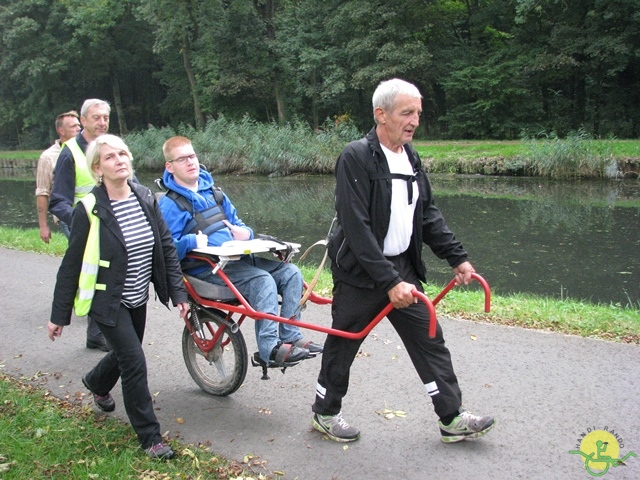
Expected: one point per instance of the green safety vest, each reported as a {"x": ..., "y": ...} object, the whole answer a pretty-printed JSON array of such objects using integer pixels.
[
  {"x": 91, "y": 263},
  {"x": 84, "y": 180}
]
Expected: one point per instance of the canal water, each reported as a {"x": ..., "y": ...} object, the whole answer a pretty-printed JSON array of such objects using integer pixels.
[{"x": 564, "y": 239}]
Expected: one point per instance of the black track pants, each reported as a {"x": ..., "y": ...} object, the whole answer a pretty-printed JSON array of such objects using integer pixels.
[{"x": 352, "y": 310}]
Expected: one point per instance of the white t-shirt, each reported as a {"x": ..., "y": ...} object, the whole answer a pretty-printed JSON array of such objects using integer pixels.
[{"x": 401, "y": 224}]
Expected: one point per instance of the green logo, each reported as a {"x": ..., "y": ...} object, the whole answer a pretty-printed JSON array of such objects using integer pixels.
[{"x": 600, "y": 450}]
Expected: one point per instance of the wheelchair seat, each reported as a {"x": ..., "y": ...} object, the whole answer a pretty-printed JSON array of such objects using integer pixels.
[{"x": 218, "y": 293}]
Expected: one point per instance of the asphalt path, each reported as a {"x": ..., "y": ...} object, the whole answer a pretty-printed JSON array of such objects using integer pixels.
[{"x": 545, "y": 390}]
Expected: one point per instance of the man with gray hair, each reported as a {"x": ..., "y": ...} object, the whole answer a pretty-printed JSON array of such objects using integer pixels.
[
  {"x": 72, "y": 181},
  {"x": 385, "y": 210}
]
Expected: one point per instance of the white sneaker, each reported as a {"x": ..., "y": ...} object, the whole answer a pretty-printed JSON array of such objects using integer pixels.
[
  {"x": 335, "y": 427},
  {"x": 466, "y": 425}
]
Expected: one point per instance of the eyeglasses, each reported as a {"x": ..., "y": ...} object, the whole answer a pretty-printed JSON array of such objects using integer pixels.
[{"x": 185, "y": 159}]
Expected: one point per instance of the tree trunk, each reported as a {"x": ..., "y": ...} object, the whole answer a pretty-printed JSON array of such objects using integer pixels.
[
  {"x": 117, "y": 100},
  {"x": 580, "y": 101},
  {"x": 314, "y": 101},
  {"x": 186, "y": 58},
  {"x": 279, "y": 100},
  {"x": 267, "y": 10}
]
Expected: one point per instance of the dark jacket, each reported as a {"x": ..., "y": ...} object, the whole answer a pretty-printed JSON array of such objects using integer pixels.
[
  {"x": 64, "y": 182},
  {"x": 166, "y": 275},
  {"x": 363, "y": 206}
]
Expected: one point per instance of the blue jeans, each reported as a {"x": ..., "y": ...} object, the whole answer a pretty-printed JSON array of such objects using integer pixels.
[{"x": 260, "y": 280}]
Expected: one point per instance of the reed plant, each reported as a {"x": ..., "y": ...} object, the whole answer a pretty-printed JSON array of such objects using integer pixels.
[
  {"x": 146, "y": 147},
  {"x": 578, "y": 155},
  {"x": 247, "y": 146}
]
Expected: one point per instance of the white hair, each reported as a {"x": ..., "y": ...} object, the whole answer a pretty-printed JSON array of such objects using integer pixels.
[
  {"x": 90, "y": 103},
  {"x": 385, "y": 95}
]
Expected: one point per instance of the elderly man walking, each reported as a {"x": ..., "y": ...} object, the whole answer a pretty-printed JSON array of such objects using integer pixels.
[
  {"x": 72, "y": 180},
  {"x": 386, "y": 211}
]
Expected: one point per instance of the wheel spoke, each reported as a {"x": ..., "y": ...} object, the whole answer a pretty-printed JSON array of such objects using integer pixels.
[{"x": 221, "y": 370}]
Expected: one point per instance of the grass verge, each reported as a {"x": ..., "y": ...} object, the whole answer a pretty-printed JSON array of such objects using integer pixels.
[{"x": 32, "y": 423}]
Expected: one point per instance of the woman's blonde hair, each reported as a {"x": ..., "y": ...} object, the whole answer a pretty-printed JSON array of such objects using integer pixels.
[{"x": 93, "y": 153}]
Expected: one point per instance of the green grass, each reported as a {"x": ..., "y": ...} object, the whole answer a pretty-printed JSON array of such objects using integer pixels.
[
  {"x": 446, "y": 150},
  {"x": 613, "y": 322},
  {"x": 29, "y": 241},
  {"x": 32, "y": 424},
  {"x": 468, "y": 149},
  {"x": 577, "y": 156},
  {"x": 20, "y": 154}
]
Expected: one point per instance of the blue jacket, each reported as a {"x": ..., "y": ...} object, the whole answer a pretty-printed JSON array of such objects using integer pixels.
[{"x": 177, "y": 218}]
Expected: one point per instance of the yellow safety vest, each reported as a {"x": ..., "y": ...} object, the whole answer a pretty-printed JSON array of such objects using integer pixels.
[
  {"x": 84, "y": 180},
  {"x": 91, "y": 263}
]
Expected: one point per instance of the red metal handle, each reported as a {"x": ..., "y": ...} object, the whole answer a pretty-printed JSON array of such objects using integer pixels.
[
  {"x": 480, "y": 280},
  {"x": 247, "y": 310}
]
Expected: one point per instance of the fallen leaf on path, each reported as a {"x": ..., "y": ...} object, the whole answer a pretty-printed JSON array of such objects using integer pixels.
[{"x": 389, "y": 413}]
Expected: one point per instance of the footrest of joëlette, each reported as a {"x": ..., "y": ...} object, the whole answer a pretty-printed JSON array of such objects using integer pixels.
[
  {"x": 211, "y": 291},
  {"x": 256, "y": 361}
]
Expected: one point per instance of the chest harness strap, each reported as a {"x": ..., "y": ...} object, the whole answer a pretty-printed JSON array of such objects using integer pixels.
[
  {"x": 208, "y": 220},
  {"x": 398, "y": 176}
]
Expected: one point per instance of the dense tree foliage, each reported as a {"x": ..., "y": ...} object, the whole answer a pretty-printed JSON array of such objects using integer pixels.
[{"x": 487, "y": 68}]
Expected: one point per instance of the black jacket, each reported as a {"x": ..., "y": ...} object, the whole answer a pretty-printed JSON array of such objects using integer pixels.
[
  {"x": 363, "y": 206},
  {"x": 166, "y": 275}
]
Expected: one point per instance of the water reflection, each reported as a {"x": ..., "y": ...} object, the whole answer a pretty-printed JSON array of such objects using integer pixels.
[{"x": 557, "y": 238}]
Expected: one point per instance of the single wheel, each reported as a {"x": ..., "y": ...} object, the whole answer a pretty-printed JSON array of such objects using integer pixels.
[{"x": 222, "y": 369}]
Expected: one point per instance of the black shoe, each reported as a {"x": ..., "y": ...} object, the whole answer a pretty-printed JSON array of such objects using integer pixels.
[
  {"x": 314, "y": 348},
  {"x": 160, "y": 451},
  {"x": 98, "y": 342},
  {"x": 106, "y": 403},
  {"x": 288, "y": 355}
]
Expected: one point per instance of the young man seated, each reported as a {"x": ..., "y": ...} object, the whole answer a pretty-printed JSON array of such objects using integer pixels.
[{"x": 208, "y": 218}]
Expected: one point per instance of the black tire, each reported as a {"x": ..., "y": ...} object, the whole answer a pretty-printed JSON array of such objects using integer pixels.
[{"x": 225, "y": 369}]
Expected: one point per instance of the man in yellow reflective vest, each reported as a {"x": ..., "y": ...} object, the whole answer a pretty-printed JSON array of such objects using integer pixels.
[{"x": 72, "y": 180}]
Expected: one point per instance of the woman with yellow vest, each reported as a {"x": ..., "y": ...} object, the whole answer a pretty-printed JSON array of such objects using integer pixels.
[{"x": 119, "y": 243}]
